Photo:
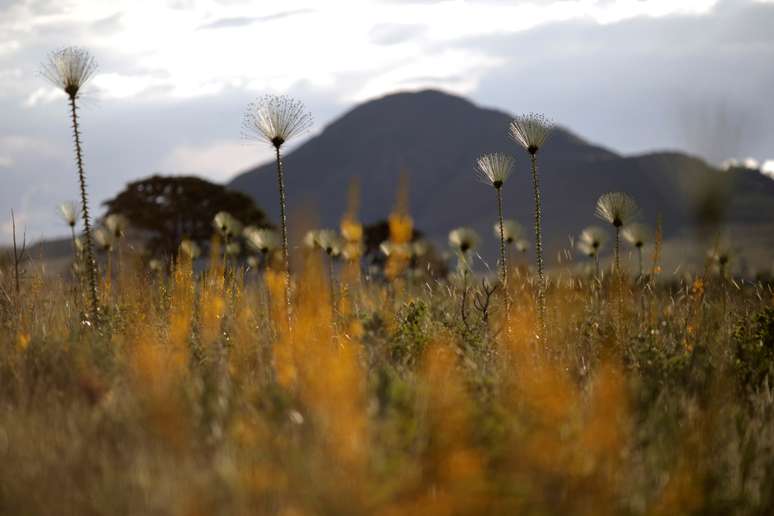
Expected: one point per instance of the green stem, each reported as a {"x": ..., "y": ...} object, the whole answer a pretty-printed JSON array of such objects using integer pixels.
[
  {"x": 91, "y": 264},
  {"x": 541, "y": 290}
]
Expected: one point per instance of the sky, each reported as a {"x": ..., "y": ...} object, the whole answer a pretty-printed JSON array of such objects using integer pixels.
[{"x": 175, "y": 77}]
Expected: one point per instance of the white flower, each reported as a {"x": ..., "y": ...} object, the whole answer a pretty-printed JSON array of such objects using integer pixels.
[
  {"x": 69, "y": 213},
  {"x": 463, "y": 239},
  {"x": 591, "y": 240},
  {"x": 310, "y": 239},
  {"x": 617, "y": 208},
  {"x": 227, "y": 225},
  {"x": 522, "y": 245},
  {"x": 275, "y": 119},
  {"x": 495, "y": 168},
  {"x": 329, "y": 241},
  {"x": 233, "y": 248},
  {"x": 263, "y": 240},
  {"x": 69, "y": 69},
  {"x": 116, "y": 224},
  {"x": 190, "y": 249},
  {"x": 104, "y": 239},
  {"x": 512, "y": 230},
  {"x": 530, "y": 131},
  {"x": 636, "y": 234}
]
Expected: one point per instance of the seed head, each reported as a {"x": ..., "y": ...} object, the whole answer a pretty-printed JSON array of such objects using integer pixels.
[
  {"x": 261, "y": 239},
  {"x": 69, "y": 213},
  {"x": 512, "y": 230},
  {"x": 310, "y": 238},
  {"x": 593, "y": 237},
  {"x": 586, "y": 248},
  {"x": 233, "y": 249},
  {"x": 116, "y": 224},
  {"x": 495, "y": 168},
  {"x": 104, "y": 239},
  {"x": 227, "y": 225},
  {"x": 69, "y": 69},
  {"x": 329, "y": 241},
  {"x": 522, "y": 245},
  {"x": 275, "y": 119},
  {"x": 190, "y": 248},
  {"x": 463, "y": 239},
  {"x": 531, "y": 131},
  {"x": 617, "y": 208},
  {"x": 637, "y": 234}
]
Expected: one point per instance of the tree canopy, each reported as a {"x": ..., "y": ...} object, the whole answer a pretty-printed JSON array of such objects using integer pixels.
[{"x": 168, "y": 209}]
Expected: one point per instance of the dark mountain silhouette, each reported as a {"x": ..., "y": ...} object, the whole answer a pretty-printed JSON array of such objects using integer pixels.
[{"x": 437, "y": 137}]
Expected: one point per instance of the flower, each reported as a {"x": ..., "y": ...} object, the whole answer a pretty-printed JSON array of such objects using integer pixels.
[
  {"x": 227, "y": 225},
  {"x": 494, "y": 168},
  {"x": 530, "y": 131},
  {"x": 463, "y": 239},
  {"x": 69, "y": 213},
  {"x": 190, "y": 248},
  {"x": 419, "y": 247},
  {"x": 329, "y": 241},
  {"x": 522, "y": 245},
  {"x": 389, "y": 248},
  {"x": 591, "y": 240},
  {"x": 636, "y": 234},
  {"x": 262, "y": 240},
  {"x": 275, "y": 119},
  {"x": 310, "y": 238},
  {"x": 617, "y": 208},
  {"x": 104, "y": 239},
  {"x": 233, "y": 248},
  {"x": 116, "y": 224},
  {"x": 512, "y": 230},
  {"x": 69, "y": 69}
]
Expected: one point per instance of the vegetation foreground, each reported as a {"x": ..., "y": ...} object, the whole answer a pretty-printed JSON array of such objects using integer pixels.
[{"x": 397, "y": 397}]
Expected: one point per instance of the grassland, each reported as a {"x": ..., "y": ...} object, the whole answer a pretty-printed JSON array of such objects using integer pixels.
[{"x": 193, "y": 396}]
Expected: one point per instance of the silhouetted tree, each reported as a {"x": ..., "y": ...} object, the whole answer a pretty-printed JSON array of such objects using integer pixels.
[{"x": 169, "y": 209}]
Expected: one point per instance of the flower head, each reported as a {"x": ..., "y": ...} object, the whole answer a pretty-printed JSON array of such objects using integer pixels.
[
  {"x": 310, "y": 238},
  {"x": 329, "y": 241},
  {"x": 591, "y": 240},
  {"x": 233, "y": 249},
  {"x": 104, "y": 239},
  {"x": 463, "y": 239},
  {"x": 522, "y": 245},
  {"x": 116, "y": 224},
  {"x": 389, "y": 248},
  {"x": 617, "y": 208},
  {"x": 276, "y": 119},
  {"x": 636, "y": 234},
  {"x": 190, "y": 248},
  {"x": 494, "y": 168},
  {"x": 262, "y": 240},
  {"x": 69, "y": 69},
  {"x": 227, "y": 225},
  {"x": 512, "y": 230},
  {"x": 530, "y": 131},
  {"x": 69, "y": 213}
]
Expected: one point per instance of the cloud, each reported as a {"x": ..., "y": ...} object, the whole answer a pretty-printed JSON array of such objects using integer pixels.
[
  {"x": 217, "y": 160},
  {"x": 393, "y": 33},
  {"x": 241, "y": 21}
]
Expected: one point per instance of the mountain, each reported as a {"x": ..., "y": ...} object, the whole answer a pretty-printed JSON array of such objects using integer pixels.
[{"x": 436, "y": 138}]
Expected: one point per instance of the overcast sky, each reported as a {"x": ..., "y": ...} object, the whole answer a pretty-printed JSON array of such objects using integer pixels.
[{"x": 176, "y": 75}]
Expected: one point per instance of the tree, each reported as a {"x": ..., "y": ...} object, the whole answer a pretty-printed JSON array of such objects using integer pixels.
[{"x": 170, "y": 209}]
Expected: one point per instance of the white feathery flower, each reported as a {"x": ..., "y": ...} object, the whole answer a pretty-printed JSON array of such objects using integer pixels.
[
  {"x": 512, "y": 230},
  {"x": 586, "y": 248},
  {"x": 227, "y": 225},
  {"x": 275, "y": 119},
  {"x": 594, "y": 237},
  {"x": 116, "y": 224},
  {"x": 617, "y": 208},
  {"x": 233, "y": 249},
  {"x": 104, "y": 239},
  {"x": 310, "y": 238},
  {"x": 69, "y": 213},
  {"x": 69, "y": 69},
  {"x": 190, "y": 249},
  {"x": 495, "y": 168},
  {"x": 522, "y": 245},
  {"x": 263, "y": 240},
  {"x": 637, "y": 234},
  {"x": 419, "y": 247},
  {"x": 389, "y": 248},
  {"x": 463, "y": 239},
  {"x": 531, "y": 131},
  {"x": 329, "y": 241}
]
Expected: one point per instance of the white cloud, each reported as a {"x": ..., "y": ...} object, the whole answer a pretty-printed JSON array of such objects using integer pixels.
[{"x": 768, "y": 168}]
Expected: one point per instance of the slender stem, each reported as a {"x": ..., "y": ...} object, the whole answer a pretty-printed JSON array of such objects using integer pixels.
[
  {"x": 503, "y": 257},
  {"x": 639, "y": 257},
  {"x": 617, "y": 249},
  {"x": 91, "y": 263},
  {"x": 541, "y": 290},
  {"x": 332, "y": 286},
  {"x": 284, "y": 228},
  {"x": 596, "y": 265}
]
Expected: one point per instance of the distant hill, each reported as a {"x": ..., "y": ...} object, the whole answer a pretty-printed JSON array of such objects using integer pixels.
[{"x": 436, "y": 137}]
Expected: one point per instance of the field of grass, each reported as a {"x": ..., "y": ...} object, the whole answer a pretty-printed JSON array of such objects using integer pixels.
[{"x": 193, "y": 396}]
